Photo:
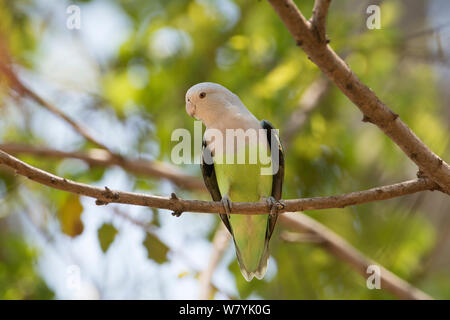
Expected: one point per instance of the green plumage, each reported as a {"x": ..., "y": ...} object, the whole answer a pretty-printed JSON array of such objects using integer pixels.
[{"x": 245, "y": 183}]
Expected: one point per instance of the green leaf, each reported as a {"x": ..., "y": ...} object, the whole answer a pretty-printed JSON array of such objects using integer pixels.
[
  {"x": 155, "y": 218},
  {"x": 156, "y": 249},
  {"x": 69, "y": 216},
  {"x": 106, "y": 235}
]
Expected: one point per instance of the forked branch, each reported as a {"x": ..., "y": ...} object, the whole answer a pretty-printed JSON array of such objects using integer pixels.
[{"x": 373, "y": 109}]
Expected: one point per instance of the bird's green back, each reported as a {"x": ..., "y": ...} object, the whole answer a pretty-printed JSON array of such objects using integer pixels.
[{"x": 244, "y": 183}]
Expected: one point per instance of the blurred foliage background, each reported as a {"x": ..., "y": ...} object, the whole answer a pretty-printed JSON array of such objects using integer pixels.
[{"x": 124, "y": 74}]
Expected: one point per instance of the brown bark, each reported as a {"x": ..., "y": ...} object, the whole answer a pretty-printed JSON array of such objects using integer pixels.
[{"x": 373, "y": 109}]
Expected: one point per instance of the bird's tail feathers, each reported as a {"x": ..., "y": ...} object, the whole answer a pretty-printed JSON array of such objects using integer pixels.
[{"x": 262, "y": 267}]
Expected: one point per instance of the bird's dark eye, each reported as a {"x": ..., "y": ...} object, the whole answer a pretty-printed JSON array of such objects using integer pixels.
[{"x": 202, "y": 95}]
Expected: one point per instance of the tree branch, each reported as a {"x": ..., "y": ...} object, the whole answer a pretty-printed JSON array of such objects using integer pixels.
[
  {"x": 106, "y": 195},
  {"x": 374, "y": 110},
  {"x": 220, "y": 243},
  {"x": 95, "y": 157},
  {"x": 319, "y": 18},
  {"x": 22, "y": 90},
  {"x": 344, "y": 251},
  {"x": 310, "y": 99},
  {"x": 100, "y": 157},
  {"x": 332, "y": 242}
]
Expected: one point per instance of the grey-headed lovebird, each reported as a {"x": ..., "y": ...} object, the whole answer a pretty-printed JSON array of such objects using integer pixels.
[{"x": 228, "y": 179}]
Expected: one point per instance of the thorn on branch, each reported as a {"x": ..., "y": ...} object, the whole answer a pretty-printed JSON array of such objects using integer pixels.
[
  {"x": 177, "y": 212},
  {"x": 366, "y": 119},
  {"x": 110, "y": 194},
  {"x": 101, "y": 202},
  {"x": 437, "y": 188},
  {"x": 117, "y": 157},
  {"x": 394, "y": 116},
  {"x": 421, "y": 175}
]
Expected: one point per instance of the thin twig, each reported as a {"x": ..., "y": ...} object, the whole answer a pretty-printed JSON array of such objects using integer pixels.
[
  {"x": 310, "y": 99},
  {"x": 23, "y": 91},
  {"x": 427, "y": 31},
  {"x": 303, "y": 237},
  {"x": 319, "y": 18},
  {"x": 220, "y": 243},
  {"x": 106, "y": 195},
  {"x": 335, "y": 244},
  {"x": 100, "y": 157}
]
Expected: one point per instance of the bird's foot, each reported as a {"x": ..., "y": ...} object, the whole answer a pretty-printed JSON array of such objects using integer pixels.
[
  {"x": 274, "y": 205},
  {"x": 227, "y": 205}
]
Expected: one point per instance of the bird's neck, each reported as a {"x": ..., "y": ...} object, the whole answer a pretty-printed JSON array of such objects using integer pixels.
[
  {"x": 228, "y": 143},
  {"x": 233, "y": 120}
]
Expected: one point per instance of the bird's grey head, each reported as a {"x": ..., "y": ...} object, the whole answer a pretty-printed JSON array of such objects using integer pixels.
[{"x": 208, "y": 101}]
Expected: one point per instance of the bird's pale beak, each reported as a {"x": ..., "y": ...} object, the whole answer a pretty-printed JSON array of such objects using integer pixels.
[{"x": 190, "y": 108}]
